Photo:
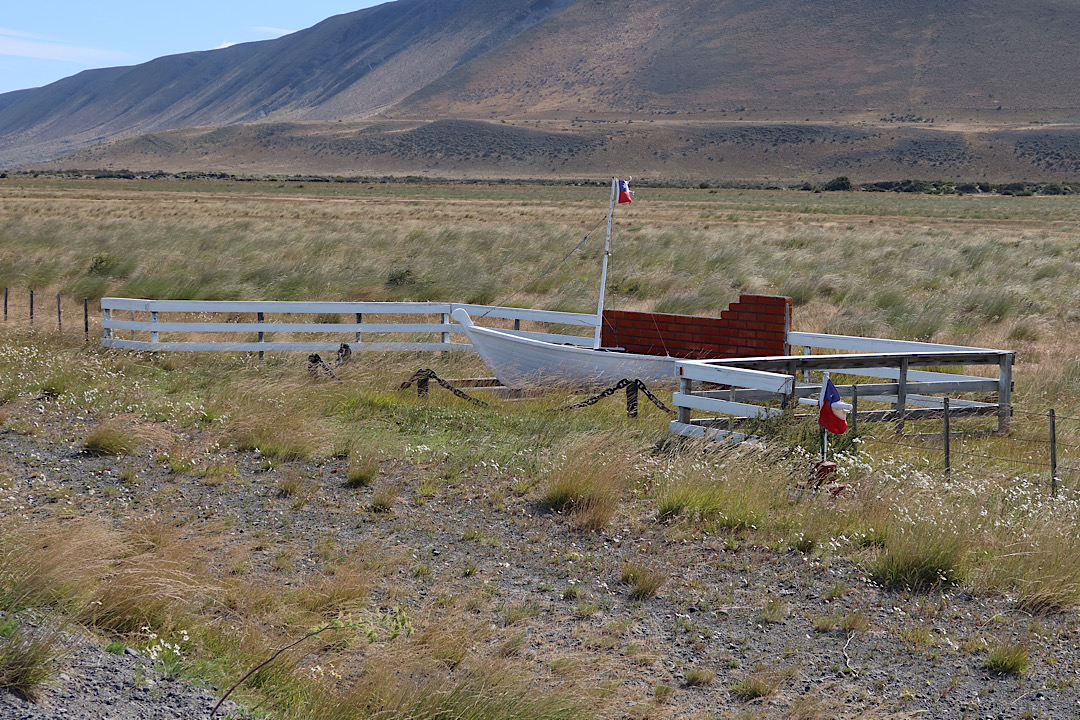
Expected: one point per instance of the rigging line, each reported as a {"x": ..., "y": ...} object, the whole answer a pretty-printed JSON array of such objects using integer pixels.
[
  {"x": 576, "y": 277},
  {"x": 549, "y": 268},
  {"x": 652, "y": 316}
]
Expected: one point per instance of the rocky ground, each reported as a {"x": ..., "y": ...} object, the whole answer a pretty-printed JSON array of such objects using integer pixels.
[{"x": 824, "y": 640}]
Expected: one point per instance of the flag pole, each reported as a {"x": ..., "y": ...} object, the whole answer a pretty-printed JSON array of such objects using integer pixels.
[
  {"x": 821, "y": 403},
  {"x": 603, "y": 271}
]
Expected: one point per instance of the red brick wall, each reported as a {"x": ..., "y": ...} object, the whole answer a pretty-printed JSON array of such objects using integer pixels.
[{"x": 755, "y": 325}]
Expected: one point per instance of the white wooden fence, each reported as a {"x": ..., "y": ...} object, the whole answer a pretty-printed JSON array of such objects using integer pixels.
[
  {"x": 762, "y": 387},
  {"x": 149, "y": 331}
]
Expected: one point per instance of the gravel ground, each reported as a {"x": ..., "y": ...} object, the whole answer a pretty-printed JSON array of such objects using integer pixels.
[{"x": 814, "y": 628}]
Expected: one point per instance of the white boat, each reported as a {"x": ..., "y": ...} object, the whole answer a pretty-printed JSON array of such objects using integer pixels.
[{"x": 520, "y": 362}]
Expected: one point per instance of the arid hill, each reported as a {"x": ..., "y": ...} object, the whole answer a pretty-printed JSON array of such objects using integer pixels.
[{"x": 734, "y": 89}]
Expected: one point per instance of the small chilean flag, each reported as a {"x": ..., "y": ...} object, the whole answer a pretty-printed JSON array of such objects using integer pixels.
[
  {"x": 831, "y": 417},
  {"x": 624, "y": 191}
]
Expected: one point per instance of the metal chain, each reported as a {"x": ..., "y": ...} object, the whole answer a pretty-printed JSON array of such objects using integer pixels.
[
  {"x": 428, "y": 374},
  {"x": 625, "y": 382}
]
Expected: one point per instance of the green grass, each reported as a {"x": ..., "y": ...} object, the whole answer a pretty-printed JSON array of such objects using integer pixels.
[
  {"x": 1007, "y": 658},
  {"x": 753, "y": 686},
  {"x": 29, "y": 658},
  {"x": 644, "y": 580}
]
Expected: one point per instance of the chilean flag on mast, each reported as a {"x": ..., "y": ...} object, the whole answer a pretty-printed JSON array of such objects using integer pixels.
[
  {"x": 624, "y": 191},
  {"x": 832, "y": 414}
]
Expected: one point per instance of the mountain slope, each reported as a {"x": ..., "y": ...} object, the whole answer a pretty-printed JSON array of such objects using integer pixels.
[
  {"x": 345, "y": 66},
  {"x": 975, "y": 67}
]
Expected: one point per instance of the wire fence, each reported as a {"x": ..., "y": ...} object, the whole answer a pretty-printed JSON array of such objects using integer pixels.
[
  {"x": 48, "y": 309},
  {"x": 1045, "y": 444}
]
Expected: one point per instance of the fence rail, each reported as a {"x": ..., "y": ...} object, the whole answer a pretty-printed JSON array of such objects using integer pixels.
[
  {"x": 763, "y": 387},
  {"x": 154, "y": 326}
]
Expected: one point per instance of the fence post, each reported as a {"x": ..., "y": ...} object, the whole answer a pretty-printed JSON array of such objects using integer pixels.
[
  {"x": 359, "y": 320},
  {"x": 445, "y": 335},
  {"x": 86, "y": 319},
  {"x": 948, "y": 457},
  {"x": 132, "y": 320},
  {"x": 153, "y": 321},
  {"x": 259, "y": 318},
  {"x": 631, "y": 400},
  {"x": 59, "y": 320},
  {"x": 854, "y": 409},
  {"x": 1005, "y": 364},
  {"x": 686, "y": 387},
  {"x": 901, "y": 396},
  {"x": 106, "y": 318},
  {"x": 517, "y": 323},
  {"x": 5, "y": 304},
  {"x": 31, "y": 308},
  {"x": 1053, "y": 453}
]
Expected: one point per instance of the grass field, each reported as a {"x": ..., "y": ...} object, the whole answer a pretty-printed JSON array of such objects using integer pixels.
[{"x": 984, "y": 271}]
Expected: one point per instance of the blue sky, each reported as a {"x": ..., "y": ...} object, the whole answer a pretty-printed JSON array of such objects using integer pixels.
[{"x": 42, "y": 41}]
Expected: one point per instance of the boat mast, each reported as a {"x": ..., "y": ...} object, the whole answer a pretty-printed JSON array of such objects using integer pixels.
[{"x": 603, "y": 271}]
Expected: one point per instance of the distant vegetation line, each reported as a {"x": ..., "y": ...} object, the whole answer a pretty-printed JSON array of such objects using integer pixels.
[{"x": 837, "y": 184}]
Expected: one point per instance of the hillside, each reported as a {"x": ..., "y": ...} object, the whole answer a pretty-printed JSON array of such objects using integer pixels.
[{"x": 971, "y": 90}]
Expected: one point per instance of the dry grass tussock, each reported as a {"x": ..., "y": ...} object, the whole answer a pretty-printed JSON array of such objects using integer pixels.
[
  {"x": 52, "y": 564},
  {"x": 589, "y": 479},
  {"x": 124, "y": 435}
]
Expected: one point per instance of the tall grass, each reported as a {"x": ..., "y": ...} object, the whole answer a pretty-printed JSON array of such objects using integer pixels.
[{"x": 590, "y": 479}]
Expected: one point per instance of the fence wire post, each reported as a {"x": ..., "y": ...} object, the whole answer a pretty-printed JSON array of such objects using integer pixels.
[
  {"x": 631, "y": 400},
  {"x": 86, "y": 319},
  {"x": 259, "y": 318},
  {"x": 59, "y": 320},
  {"x": 1053, "y": 453},
  {"x": 31, "y": 308},
  {"x": 948, "y": 458},
  {"x": 5, "y": 304}
]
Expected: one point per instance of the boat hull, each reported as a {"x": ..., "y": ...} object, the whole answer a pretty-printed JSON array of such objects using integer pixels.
[{"x": 520, "y": 362}]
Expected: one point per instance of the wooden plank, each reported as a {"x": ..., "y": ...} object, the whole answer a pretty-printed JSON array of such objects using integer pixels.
[
  {"x": 271, "y": 306},
  {"x": 916, "y": 375},
  {"x": 279, "y": 346},
  {"x": 700, "y": 432},
  {"x": 704, "y": 371},
  {"x": 872, "y": 345},
  {"x": 385, "y": 308},
  {"x": 925, "y": 413},
  {"x": 697, "y": 402},
  {"x": 212, "y": 327},
  {"x": 840, "y": 363},
  {"x": 927, "y": 401}
]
